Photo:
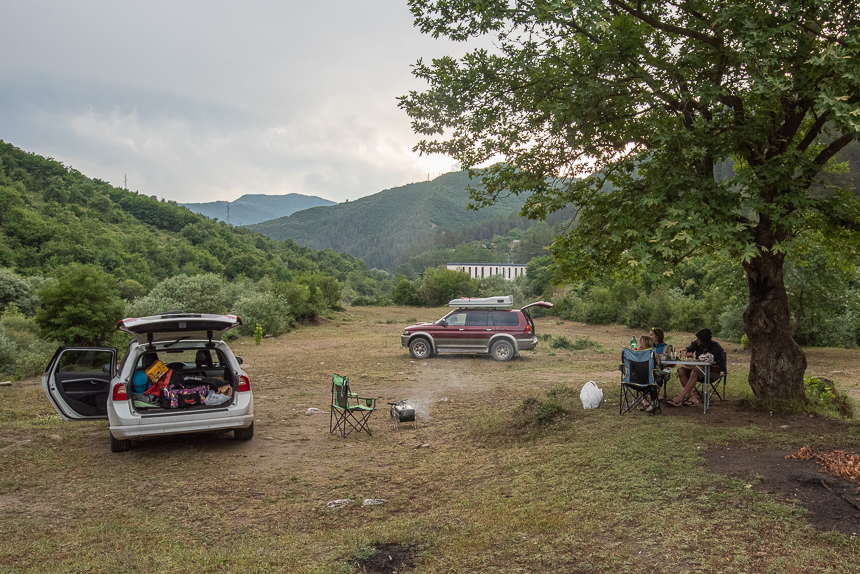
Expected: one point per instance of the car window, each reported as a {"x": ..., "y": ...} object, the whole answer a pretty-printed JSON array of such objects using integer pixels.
[
  {"x": 506, "y": 318},
  {"x": 457, "y": 319},
  {"x": 479, "y": 319},
  {"x": 84, "y": 361},
  {"x": 189, "y": 357}
]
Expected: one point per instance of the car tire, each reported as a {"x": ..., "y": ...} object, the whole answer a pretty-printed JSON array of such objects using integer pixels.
[
  {"x": 119, "y": 445},
  {"x": 502, "y": 351},
  {"x": 245, "y": 433},
  {"x": 420, "y": 348}
]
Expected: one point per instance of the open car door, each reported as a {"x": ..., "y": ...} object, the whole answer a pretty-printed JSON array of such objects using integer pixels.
[{"x": 77, "y": 381}]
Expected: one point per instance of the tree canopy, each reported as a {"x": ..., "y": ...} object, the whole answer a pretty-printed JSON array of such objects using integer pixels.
[{"x": 625, "y": 110}]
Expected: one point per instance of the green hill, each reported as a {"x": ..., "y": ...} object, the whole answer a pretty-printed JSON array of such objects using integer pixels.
[
  {"x": 380, "y": 227},
  {"x": 52, "y": 215}
]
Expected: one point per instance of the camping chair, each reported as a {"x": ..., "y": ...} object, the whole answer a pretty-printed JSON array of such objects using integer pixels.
[
  {"x": 714, "y": 383},
  {"x": 638, "y": 380},
  {"x": 349, "y": 412}
]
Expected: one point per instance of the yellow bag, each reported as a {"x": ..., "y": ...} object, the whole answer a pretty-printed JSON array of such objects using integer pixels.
[{"x": 156, "y": 371}]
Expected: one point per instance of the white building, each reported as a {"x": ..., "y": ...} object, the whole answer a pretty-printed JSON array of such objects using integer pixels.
[{"x": 481, "y": 270}]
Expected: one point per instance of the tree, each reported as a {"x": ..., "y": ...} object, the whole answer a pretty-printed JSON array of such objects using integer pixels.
[
  {"x": 642, "y": 101},
  {"x": 441, "y": 285},
  {"x": 81, "y": 306}
]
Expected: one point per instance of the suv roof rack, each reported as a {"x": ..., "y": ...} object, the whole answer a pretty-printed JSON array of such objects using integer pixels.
[{"x": 483, "y": 302}]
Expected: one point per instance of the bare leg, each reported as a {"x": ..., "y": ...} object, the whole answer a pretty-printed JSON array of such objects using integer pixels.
[{"x": 689, "y": 383}]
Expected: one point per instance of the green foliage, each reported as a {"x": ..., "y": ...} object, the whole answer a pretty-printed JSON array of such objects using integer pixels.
[
  {"x": 81, "y": 306},
  {"x": 129, "y": 289},
  {"x": 405, "y": 292},
  {"x": 258, "y": 334},
  {"x": 269, "y": 311},
  {"x": 15, "y": 290},
  {"x": 561, "y": 342},
  {"x": 821, "y": 392},
  {"x": 380, "y": 227},
  {"x": 559, "y": 400},
  {"x": 682, "y": 91},
  {"x": 441, "y": 285},
  {"x": 193, "y": 294}
]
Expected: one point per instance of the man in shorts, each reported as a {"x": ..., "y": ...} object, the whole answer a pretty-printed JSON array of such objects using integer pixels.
[{"x": 689, "y": 376}]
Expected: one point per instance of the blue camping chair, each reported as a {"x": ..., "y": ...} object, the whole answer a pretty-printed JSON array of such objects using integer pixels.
[{"x": 640, "y": 380}]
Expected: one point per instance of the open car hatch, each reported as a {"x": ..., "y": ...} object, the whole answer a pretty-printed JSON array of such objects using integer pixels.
[{"x": 173, "y": 326}]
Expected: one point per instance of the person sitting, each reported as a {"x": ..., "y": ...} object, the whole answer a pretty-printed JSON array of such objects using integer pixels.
[
  {"x": 657, "y": 336},
  {"x": 644, "y": 343},
  {"x": 704, "y": 344}
]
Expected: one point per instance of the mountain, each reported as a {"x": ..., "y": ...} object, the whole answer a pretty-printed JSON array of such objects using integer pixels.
[
  {"x": 255, "y": 208},
  {"x": 380, "y": 227},
  {"x": 52, "y": 215}
]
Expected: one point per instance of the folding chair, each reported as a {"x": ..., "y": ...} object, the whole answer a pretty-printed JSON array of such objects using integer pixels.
[
  {"x": 715, "y": 382},
  {"x": 638, "y": 380},
  {"x": 349, "y": 412}
]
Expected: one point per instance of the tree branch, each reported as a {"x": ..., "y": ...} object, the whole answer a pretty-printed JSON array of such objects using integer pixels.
[{"x": 671, "y": 28}]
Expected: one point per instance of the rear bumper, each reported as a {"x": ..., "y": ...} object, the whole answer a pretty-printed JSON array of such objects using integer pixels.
[
  {"x": 126, "y": 424},
  {"x": 527, "y": 344}
]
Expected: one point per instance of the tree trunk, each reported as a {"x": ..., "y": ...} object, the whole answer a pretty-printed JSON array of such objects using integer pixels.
[{"x": 778, "y": 363}]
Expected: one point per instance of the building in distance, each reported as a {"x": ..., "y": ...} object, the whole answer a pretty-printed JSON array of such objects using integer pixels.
[{"x": 481, "y": 270}]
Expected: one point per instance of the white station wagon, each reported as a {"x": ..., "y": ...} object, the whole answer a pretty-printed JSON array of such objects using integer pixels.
[{"x": 85, "y": 383}]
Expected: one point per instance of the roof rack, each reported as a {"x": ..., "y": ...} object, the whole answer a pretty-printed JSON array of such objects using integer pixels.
[{"x": 483, "y": 302}]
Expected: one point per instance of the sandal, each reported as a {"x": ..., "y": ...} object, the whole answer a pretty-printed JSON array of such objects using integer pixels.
[
  {"x": 671, "y": 402},
  {"x": 689, "y": 403}
]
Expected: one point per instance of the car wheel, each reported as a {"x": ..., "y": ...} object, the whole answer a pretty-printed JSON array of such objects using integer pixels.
[
  {"x": 502, "y": 351},
  {"x": 420, "y": 348},
  {"x": 245, "y": 433},
  {"x": 119, "y": 445}
]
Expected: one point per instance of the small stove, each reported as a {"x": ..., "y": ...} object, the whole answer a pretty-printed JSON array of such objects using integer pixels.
[{"x": 403, "y": 412}]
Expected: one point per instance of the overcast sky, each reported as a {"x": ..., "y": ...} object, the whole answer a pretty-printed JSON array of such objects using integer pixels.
[{"x": 201, "y": 101}]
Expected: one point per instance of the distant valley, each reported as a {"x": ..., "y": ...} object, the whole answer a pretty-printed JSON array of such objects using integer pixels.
[{"x": 255, "y": 208}]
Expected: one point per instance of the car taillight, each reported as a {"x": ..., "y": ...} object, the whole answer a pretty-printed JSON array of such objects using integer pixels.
[
  {"x": 244, "y": 384},
  {"x": 119, "y": 393},
  {"x": 528, "y": 329}
]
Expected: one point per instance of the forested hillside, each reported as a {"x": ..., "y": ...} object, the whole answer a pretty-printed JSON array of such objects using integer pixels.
[
  {"x": 51, "y": 215},
  {"x": 380, "y": 227},
  {"x": 256, "y": 208}
]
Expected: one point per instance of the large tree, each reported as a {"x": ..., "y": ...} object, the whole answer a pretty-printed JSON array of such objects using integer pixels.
[{"x": 629, "y": 111}]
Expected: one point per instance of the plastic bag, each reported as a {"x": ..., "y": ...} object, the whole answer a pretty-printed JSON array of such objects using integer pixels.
[
  {"x": 591, "y": 395},
  {"x": 216, "y": 399}
]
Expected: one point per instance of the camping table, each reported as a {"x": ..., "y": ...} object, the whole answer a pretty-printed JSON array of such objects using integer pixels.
[{"x": 706, "y": 367}]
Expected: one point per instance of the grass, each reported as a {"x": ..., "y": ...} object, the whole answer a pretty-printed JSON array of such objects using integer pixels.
[{"x": 517, "y": 477}]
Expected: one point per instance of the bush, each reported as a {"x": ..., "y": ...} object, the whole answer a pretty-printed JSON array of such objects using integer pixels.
[
  {"x": 441, "y": 285},
  {"x": 193, "y": 294},
  {"x": 18, "y": 291},
  {"x": 266, "y": 309},
  {"x": 81, "y": 306},
  {"x": 405, "y": 292}
]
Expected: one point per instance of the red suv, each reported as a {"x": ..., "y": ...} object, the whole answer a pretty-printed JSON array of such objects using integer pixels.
[{"x": 478, "y": 325}]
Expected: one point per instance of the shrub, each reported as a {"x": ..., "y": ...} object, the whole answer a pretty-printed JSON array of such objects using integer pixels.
[
  {"x": 270, "y": 311},
  {"x": 194, "y": 294},
  {"x": 81, "y": 306},
  {"x": 405, "y": 292},
  {"x": 152, "y": 304},
  {"x": 561, "y": 342}
]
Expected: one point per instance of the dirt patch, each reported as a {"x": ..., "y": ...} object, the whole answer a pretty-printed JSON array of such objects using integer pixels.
[
  {"x": 389, "y": 558},
  {"x": 830, "y": 501}
]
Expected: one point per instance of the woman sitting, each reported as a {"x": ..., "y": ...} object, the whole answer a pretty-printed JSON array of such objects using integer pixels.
[{"x": 657, "y": 335}]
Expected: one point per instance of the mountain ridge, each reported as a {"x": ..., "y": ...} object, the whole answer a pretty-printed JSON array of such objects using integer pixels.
[
  {"x": 257, "y": 207},
  {"x": 378, "y": 228}
]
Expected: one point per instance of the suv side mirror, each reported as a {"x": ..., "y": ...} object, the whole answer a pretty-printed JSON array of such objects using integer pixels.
[
  {"x": 106, "y": 368},
  {"x": 443, "y": 323},
  {"x": 239, "y": 360}
]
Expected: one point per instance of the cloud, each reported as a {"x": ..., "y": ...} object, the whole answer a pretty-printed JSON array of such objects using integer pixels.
[{"x": 203, "y": 101}]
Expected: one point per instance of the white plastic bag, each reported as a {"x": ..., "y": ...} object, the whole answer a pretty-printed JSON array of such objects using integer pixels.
[
  {"x": 591, "y": 395},
  {"x": 215, "y": 399}
]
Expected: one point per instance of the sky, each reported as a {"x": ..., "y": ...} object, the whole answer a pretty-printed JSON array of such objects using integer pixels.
[{"x": 198, "y": 101}]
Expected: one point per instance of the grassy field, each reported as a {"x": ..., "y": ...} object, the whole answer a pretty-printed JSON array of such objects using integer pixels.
[{"x": 478, "y": 486}]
